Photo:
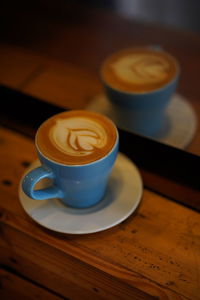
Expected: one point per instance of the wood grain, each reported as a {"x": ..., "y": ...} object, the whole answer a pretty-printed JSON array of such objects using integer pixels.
[
  {"x": 153, "y": 253},
  {"x": 64, "y": 85},
  {"x": 60, "y": 83},
  {"x": 16, "y": 66},
  {"x": 15, "y": 288}
]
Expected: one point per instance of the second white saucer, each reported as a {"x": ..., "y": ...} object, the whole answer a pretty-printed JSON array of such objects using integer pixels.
[
  {"x": 122, "y": 198},
  {"x": 178, "y": 128}
]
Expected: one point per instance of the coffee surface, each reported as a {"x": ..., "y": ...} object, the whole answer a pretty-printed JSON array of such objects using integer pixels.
[
  {"x": 139, "y": 70},
  {"x": 76, "y": 137}
]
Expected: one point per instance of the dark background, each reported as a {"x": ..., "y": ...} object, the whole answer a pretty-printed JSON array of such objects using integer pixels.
[{"x": 179, "y": 14}]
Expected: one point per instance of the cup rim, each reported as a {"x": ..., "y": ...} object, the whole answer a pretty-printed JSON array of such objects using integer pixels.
[
  {"x": 174, "y": 78},
  {"x": 80, "y": 165},
  {"x": 84, "y": 164}
]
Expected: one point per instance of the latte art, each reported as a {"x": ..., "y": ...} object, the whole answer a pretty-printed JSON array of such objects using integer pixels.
[
  {"x": 141, "y": 68},
  {"x": 78, "y": 136}
]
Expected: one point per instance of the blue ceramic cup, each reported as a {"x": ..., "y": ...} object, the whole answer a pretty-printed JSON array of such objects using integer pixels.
[
  {"x": 142, "y": 112},
  {"x": 78, "y": 186}
]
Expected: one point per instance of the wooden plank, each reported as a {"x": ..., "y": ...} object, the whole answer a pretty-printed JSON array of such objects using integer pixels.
[
  {"x": 60, "y": 271},
  {"x": 155, "y": 250},
  {"x": 64, "y": 85},
  {"x": 56, "y": 82},
  {"x": 16, "y": 65},
  {"x": 17, "y": 288}
]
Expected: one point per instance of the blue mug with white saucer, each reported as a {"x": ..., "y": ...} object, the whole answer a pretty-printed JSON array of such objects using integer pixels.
[
  {"x": 77, "y": 150},
  {"x": 139, "y": 83}
]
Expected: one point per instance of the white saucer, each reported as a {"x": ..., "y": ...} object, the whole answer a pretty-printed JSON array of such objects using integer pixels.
[
  {"x": 122, "y": 198},
  {"x": 178, "y": 127}
]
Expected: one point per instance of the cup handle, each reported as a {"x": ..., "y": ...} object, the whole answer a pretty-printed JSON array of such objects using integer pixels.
[{"x": 33, "y": 177}]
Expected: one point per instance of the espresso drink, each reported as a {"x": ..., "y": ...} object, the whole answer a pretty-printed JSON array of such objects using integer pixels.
[
  {"x": 76, "y": 137},
  {"x": 139, "y": 70}
]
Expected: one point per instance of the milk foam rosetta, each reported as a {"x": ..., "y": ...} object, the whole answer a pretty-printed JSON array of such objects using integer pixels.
[
  {"x": 139, "y": 70},
  {"x": 76, "y": 137}
]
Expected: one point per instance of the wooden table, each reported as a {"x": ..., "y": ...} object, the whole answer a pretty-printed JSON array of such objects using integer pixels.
[{"x": 154, "y": 254}]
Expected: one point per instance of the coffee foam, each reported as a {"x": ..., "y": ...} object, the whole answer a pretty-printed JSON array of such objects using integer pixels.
[
  {"x": 139, "y": 70},
  {"x": 76, "y": 137}
]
